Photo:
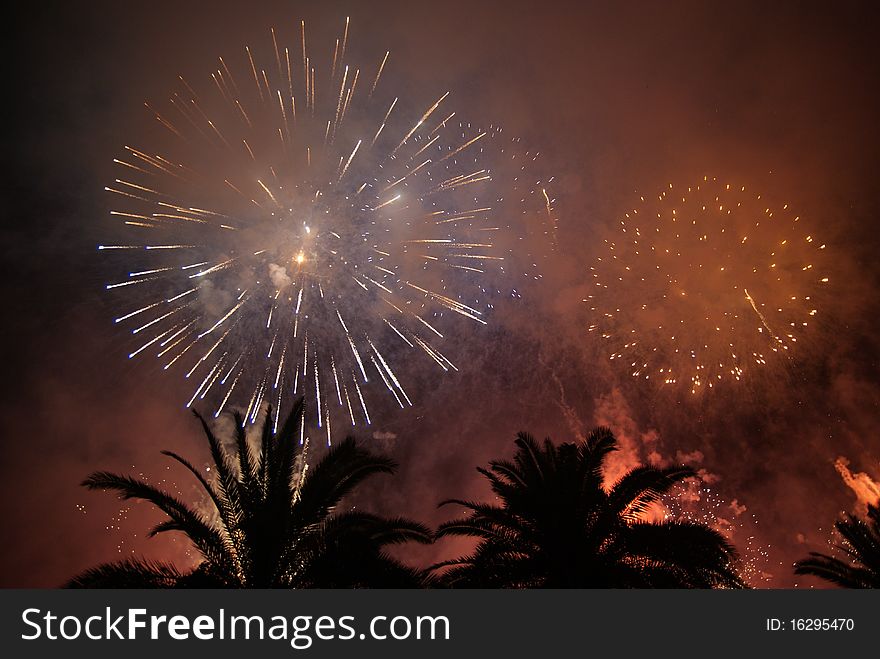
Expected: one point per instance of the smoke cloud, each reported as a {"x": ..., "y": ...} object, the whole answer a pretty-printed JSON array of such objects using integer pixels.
[{"x": 866, "y": 489}]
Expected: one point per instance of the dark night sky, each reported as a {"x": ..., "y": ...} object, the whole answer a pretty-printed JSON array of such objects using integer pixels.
[{"x": 619, "y": 97}]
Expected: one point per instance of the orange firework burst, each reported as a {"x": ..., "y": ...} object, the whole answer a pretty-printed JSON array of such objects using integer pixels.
[{"x": 705, "y": 284}]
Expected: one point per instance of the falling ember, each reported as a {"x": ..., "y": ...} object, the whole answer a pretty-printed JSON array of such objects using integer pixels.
[
  {"x": 298, "y": 232},
  {"x": 703, "y": 285}
]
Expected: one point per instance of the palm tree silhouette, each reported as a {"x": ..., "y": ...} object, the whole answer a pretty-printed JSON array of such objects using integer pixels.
[
  {"x": 557, "y": 527},
  {"x": 276, "y": 521},
  {"x": 860, "y": 565}
]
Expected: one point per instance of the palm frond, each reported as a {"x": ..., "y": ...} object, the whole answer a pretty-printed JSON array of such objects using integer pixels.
[
  {"x": 841, "y": 573},
  {"x": 859, "y": 563},
  {"x": 599, "y": 444},
  {"x": 229, "y": 493},
  {"x": 127, "y": 573},
  {"x": 700, "y": 555},
  {"x": 342, "y": 468},
  {"x": 280, "y": 456},
  {"x": 207, "y": 539},
  {"x": 209, "y": 489},
  {"x": 641, "y": 486}
]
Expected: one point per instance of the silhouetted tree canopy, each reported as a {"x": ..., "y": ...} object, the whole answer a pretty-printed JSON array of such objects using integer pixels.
[
  {"x": 276, "y": 523},
  {"x": 556, "y": 526},
  {"x": 859, "y": 563}
]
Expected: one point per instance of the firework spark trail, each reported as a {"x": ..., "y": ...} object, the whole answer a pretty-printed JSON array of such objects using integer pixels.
[
  {"x": 761, "y": 316},
  {"x": 287, "y": 205},
  {"x": 691, "y": 286}
]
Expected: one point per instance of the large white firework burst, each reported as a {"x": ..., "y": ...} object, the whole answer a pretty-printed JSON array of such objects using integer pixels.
[{"x": 307, "y": 232}]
